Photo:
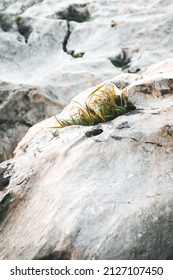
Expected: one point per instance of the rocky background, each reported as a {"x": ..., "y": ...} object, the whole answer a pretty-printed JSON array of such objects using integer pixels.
[
  {"x": 65, "y": 195},
  {"x": 52, "y": 50}
]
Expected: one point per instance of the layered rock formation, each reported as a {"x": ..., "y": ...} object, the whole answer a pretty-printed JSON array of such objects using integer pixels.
[
  {"x": 73, "y": 193},
  {"x": 56, "y": 49}
]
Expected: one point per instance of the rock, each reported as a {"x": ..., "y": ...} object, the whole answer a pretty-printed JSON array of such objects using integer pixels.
[
  {"x": 106, "y": 196},
  {"x": 20, "y": 108},
  {"x": 65, "y": 47}
]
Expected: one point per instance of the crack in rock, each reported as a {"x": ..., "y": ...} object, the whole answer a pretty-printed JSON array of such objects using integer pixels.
[
  {"x": 65, "y": 42},
  {"x": 119, "y": 138},
  {"x": 154, "y": 143},
  {"x": 5, "y": 174},
  {"x": 4, "y": 181},
  {"x": 66, "y": 38}
]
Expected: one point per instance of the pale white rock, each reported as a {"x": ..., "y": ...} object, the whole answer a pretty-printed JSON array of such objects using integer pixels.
[
  {"x": 69, "y": 196},
  {"x": 144, "y": 30},
  {"x": 36, "y": 45}
]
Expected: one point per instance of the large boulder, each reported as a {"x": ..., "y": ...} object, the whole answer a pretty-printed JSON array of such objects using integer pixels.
[{"x": 101, "y": 192}]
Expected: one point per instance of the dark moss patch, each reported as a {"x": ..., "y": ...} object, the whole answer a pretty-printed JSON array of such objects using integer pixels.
[
  {"x": 24, "y": 28},
  {"x": 122, "y": 60},
  {"x": 74, "y": 12},
  {"x": 76, "y": 55},
  {"x": 6, "y": 22}
]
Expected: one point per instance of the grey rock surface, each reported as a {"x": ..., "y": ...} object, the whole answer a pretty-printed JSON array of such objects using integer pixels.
[
  {"x": 20, "y": 108},
  {"x": 106, "y": 196},
  {"x": 64, "y": 47}
]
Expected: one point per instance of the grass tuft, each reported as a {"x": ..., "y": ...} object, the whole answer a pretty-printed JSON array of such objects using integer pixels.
[
  {"x": 6, "y": 22},
  {"x": 103, "y": 105},
  {"x": 23, "y": 27},
  {"x": 74, "y": 13}
]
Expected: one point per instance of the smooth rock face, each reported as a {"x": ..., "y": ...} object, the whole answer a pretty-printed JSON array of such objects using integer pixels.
[
  {"x": 64, "y": 47},
  {"x": 106, "y": 196}
]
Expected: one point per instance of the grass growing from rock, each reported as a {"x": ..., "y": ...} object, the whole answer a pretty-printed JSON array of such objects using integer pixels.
[
  {"x": 103, "y": 105},
  {"x": 76, "y": 55},
  {"x": 122, "y": 60},
  {"x": 75, "y": 13},
  {"x": 119, "y": 63},
  {"x": 5, "y": 22},
  {"x": 23, "y": 27}
]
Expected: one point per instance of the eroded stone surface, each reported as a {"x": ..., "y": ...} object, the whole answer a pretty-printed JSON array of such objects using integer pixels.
[
  {"x": 108, "y": 196},
  {"x": 64, "y": 47}
]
